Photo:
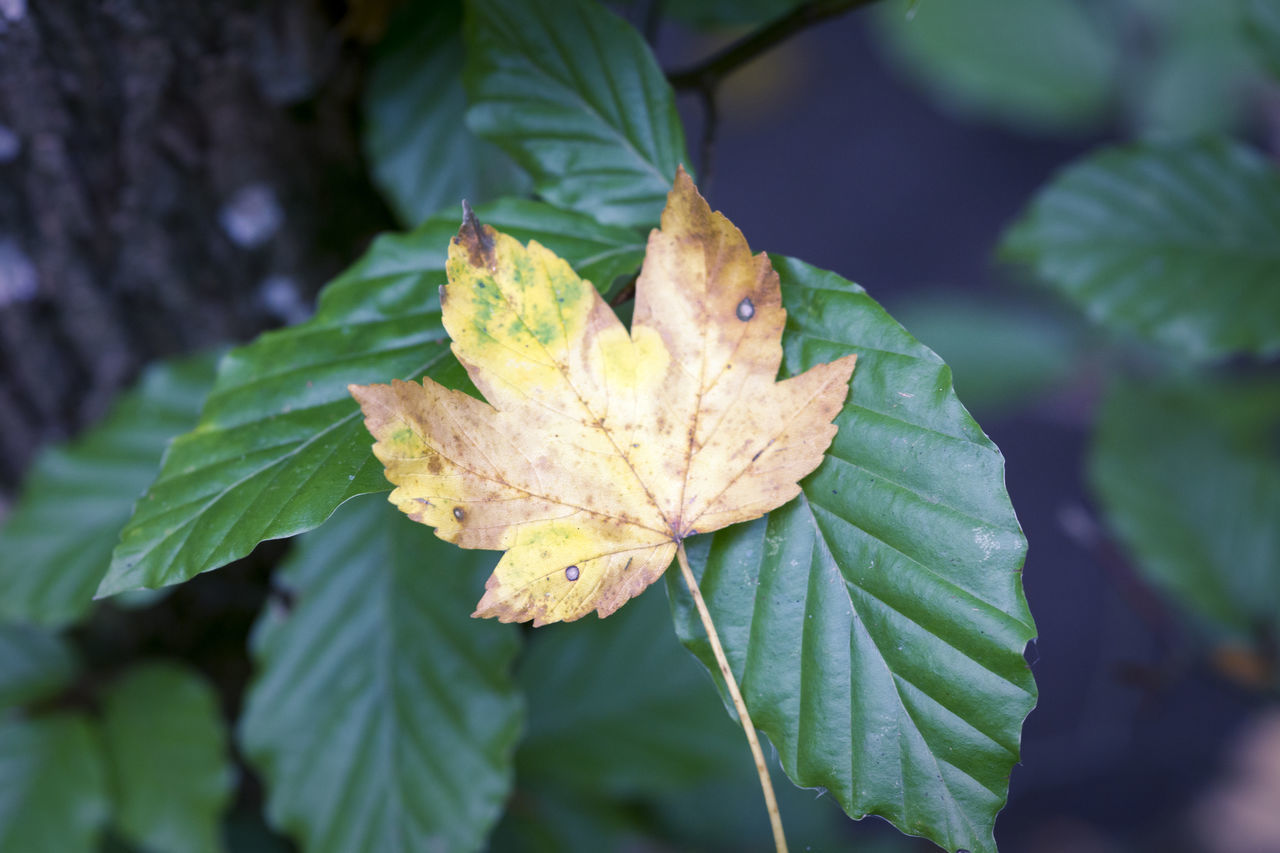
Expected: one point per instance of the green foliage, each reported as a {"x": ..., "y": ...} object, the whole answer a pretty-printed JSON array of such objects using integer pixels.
[
  {"x": 1136, "y": 236},
  {"x": 383, "y": 716},
  {"x": 1262, "y": 21},
  {"x": 53, "y": 784},
  {"x": 881, "y": 613},
  {"x": 280, "y": 443},
  {"x": 1005, "y": 355},
  {"x": 573, "y": 94},
  {"x": 1189, "y": 474},
  {"x": 50, "y": 580},
  {"x": 167, "y": 749},
  {"x": 1042, "y": 63},
  {"x": 421, "y": 157},
  {"x": 1166, "y": 68}
]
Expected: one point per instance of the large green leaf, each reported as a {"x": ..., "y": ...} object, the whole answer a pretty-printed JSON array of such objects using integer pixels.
[
  {"x": 166, "y": 746},
  {"x": 1180, "y": 243},
  {"x": 56, "y": 546},
  {"x": 1038, "y": 63},
  {"x": 573, "y": 94},
  {"x": 34, "y": 664},
  {"x": 280, "y": 443},
  {"x": 1189, "y": 477},
  {"x": 877, "y": 623},
  {"x": 422, "y": 155},
  {"x": 383, "y": 717},
  {"x": 53, "y": 787}
]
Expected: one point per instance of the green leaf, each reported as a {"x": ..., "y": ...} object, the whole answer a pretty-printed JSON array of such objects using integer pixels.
[
  {"x": 1041, "y": 64},
  {"x": 602, "y": 736},
  {"x": 1189, "y": 478},
  {"x": 1262, "y": 20},
  {"x": 644, "y": 729},
  {"x": 421, "y": 153},
  {"x": 56, "y": 546},
  {"x": 1004, "y": 355},
  {"x": 34, "y": 664},
  {"x": 53, "y": 787},
  {"x": 383, "y": 717},
  {"x": 1179, "y": 243},
  {"x": 166, "y": 746},
  {"x": 573, "y": 94},
  {"x": 1195, "y": 71},
  {"x": 876, "y": 624},
  {"x": 280, "y": 443}
]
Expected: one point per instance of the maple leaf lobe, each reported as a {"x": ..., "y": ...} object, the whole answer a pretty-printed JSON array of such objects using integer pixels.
[{"x": 598, "y": 449}]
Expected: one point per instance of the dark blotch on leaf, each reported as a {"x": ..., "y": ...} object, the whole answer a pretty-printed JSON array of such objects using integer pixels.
[
  {"x": 746, "y": 309},
  {"x": 458, "y": 513},
  {"x": 477, "y": 239},
  {"x": 571, "y": 573}
]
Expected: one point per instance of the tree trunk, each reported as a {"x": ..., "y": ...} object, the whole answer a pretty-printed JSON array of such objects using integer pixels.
[{"x": 173, "y": 174}]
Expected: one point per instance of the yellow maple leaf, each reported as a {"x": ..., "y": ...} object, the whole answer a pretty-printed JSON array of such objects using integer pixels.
[{"x": 600, "y": 450}]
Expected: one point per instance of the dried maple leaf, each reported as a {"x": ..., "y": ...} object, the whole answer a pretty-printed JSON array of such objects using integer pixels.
[{"x": 599, "y": 451}]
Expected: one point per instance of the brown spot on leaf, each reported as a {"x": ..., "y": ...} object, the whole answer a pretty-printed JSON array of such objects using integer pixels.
[{"x": 477, "y": 239}]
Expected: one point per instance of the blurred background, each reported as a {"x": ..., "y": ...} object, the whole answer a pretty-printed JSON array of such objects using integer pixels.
[{"x": 175, "y": 176}]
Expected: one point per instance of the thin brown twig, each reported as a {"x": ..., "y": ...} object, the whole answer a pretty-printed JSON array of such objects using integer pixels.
[
  {"x": 710, "y": 71},
  {"x": 766, "y": 784}
]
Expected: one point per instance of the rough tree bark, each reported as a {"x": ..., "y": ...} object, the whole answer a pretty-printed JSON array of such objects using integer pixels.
[{"x": 173, "y": 174}]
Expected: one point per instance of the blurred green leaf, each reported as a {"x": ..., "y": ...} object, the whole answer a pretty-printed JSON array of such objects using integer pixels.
[
  {"x": 56, "y": 546},
  {"x": 1194, "y": 75},
  {"x": 280, "y": 443},
  {"x": 1262, "y": 20},
  {"x": 422, "y": 155},
  {"x": 876, "y": 624},
  {"x": 573, "y": 94},
  {"x": 1189, "y": 478},
  {"x": 1044, "y": 64},
  {"x": 34, "y": 664},
  {"x": 166, "y": 746},
  {"x": 382, "y": 717},
  {"x": 1003, "y": 355},
  {"x": 53, "y": 786},
  {"x": 1180, "y": 243}
]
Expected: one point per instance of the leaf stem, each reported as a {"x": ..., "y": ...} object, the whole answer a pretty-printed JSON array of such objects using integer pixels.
[{"x": 766, "y": 784}]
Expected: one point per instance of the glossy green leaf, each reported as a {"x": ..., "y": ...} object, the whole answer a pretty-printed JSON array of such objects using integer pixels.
[
  {"x": 383, "y": 716},
  {"x": 1262, "y": 19},
  {"x": 56, "y": 546},
  {"x": 1189, "y": 478},
  {"x": 421, "y": 153},
  {"x": 1179, "y": 243},
  {"x": 876, "y": 624},
  {"x": 53, "y": 787},
  {"x": 34, "y": 664},
  {"x": 1044, "y": 64},
  {"x": 1005, "y": 356},
  {"x": 280, "y": 443},
  {"x": 166, "y": 746},
  {"x": 573, "y": 94}
]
